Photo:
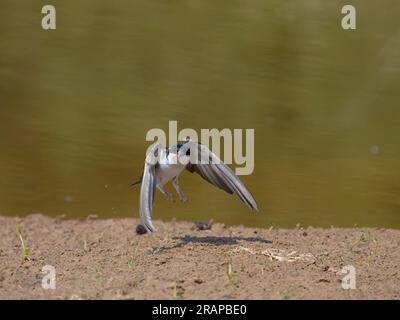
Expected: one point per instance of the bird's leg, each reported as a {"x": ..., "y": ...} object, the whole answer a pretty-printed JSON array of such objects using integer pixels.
[
  {"x": 178, "y": 190},
  {"x": 167, "y": 194}
]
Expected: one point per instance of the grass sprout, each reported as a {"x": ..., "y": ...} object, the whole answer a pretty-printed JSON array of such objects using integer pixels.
[
  {"x": 174, "y": 291},
  {"x": 25, "y": 250},
  {"x": 229, "y": 271}
]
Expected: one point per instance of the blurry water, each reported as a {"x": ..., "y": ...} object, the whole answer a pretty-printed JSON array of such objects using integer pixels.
[{"x": 76, "y": 103}]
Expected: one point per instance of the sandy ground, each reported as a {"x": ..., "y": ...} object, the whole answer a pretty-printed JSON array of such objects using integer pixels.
[{"x": 106, "y": 259}]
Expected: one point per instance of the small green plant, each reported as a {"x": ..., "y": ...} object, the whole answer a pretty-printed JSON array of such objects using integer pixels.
[
  {"x": 177, "y": 291},
  {"x": 368, "y": 237},
  {"x": 25, "y": 250},
  {"x": 131, "y": 262},
  {"x": 287, "y": 294},
  {"x": 229, "y": 271},
  {"x": 174, "y": 291},
  {"x": 365, "y": 239}
]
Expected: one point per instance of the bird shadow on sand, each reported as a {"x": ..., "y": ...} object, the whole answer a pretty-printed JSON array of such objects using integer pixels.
[{"x": 213, "y": 240}]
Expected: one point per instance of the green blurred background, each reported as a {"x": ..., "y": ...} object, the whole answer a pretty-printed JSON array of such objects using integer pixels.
[{"x": 77, "y": 102}]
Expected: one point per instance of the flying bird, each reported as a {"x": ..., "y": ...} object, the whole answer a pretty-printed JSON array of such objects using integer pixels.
[{"x": 165, "y": 164}]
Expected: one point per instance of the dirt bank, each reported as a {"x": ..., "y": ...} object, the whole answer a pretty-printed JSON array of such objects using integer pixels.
[{"x": 96, "y": 259}]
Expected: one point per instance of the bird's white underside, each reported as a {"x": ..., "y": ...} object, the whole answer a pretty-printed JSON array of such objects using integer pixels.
[{"x": 169, "y": 168}]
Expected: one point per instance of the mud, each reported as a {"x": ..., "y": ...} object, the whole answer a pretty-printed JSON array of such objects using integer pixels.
[{"x": 107, "y": 259}]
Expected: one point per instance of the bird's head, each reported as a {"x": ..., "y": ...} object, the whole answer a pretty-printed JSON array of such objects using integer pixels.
[{"x": 181, "y": 151}]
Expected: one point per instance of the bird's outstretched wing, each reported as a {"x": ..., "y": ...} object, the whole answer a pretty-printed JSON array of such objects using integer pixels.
[
  {"x": 212, "y": 169},
  {"x": 148, "y": 187}
]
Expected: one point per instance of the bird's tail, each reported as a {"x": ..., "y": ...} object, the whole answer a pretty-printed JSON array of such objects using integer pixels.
[{"x": 136, "y": 182}]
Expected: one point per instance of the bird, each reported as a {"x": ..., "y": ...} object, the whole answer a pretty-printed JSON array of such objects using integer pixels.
[{"x": 163, "y": 165}]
